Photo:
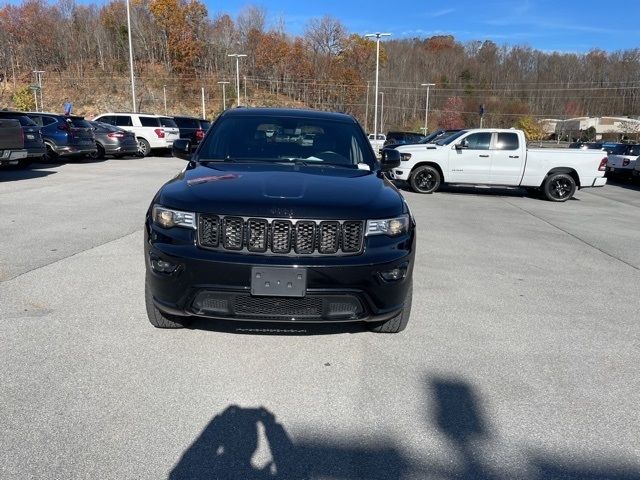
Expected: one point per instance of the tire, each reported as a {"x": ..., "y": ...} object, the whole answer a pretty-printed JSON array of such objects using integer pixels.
[
  {"x": 425, "y": 179},
  {"x": 400, "y": 321},
  {"x": 144, "y": 149},
  {"x": 158, "y": 318},
  {"x": 99, "y": 155},
  {"x": 559, "y": 187},
  {"x": 50, "y": 155}
]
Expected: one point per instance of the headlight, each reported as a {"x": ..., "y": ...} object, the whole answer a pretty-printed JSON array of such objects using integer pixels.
[
  {"x": 405, "y": 157},
  {"x": 391, "y": 227},
  {"x": 167, "y": 218}
]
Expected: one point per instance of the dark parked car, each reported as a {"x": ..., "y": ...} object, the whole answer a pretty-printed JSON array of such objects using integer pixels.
[
  {"x": 402, "y": 138},
  {"x": 587, "y": 145},
  {"x": 111, "y": 140},
  {"x": 259, "y": 227},
  {"x": 65, "y": 136},
  {"x": 33, "y": 142},
  {"x": 432, "y": 137},
  {"x": 192, "y": 128}
]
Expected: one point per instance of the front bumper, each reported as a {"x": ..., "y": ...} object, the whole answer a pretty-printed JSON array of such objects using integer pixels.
[
  {"x": 204, "y": 278},
  {"x": 400, "y": 174}
]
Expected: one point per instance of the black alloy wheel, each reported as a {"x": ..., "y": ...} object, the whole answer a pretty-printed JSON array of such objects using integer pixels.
[
  {"x": 559, "y": 187},
  {"x": 425, "y": 179}
]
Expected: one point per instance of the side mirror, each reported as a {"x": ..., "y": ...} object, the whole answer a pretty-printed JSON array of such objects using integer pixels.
[
  {"x": 390, "y": 159},
  {"x": 182, "y": 149},
  {"x": 462, "y": 145}
]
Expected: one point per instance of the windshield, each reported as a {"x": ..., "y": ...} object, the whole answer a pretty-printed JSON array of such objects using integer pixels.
[
  {"x": 282, "y": 139},
  {"x": 449, "y": 139}
]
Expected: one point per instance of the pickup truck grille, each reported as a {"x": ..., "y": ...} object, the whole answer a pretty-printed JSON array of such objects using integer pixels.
[{"x": 278, "y": 236}]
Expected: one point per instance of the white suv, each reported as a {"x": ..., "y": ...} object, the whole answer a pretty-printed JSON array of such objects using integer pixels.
[{"x": 151, "y": 131}]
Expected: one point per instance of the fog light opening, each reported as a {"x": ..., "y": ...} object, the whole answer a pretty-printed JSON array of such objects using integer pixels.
[
  {"x": 162, "y": 266},
  {"x": 395, "y": 274}
]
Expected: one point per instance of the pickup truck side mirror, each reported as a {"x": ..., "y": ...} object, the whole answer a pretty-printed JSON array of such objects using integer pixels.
[
  {"x": 182, "y": 149},
  {"x": 390, "y": 159},
  {"x": 462, "y": 145}
]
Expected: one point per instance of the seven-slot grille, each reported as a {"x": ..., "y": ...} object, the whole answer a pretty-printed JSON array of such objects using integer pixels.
[{"x": 286, "y": 237}]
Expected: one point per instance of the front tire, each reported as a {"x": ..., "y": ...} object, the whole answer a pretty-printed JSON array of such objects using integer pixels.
[
  {"x": 144, "y": 149},
  {"x": 559, "y": 187},
  {"x": 425, "y": 179},
  {"x": 158, "y": 318},
  {"x": 400, "y": 321}
]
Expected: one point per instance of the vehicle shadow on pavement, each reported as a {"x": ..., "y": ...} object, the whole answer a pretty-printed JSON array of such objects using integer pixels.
[
  {"x": 249, "y": 444},
  {"x": 14, "y": 174},
  {"x": 629, "y": 184},
  {"x": 270, "y": 328}
]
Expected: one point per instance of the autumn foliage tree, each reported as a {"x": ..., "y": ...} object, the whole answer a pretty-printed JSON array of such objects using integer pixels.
[{"x": 451, "y": 115}]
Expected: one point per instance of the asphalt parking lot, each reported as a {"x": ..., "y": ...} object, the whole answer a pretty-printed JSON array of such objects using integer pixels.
[{"x": 521, "y": 359}]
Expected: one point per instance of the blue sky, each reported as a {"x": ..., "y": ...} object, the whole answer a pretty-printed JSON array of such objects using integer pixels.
[{"x": 559, "y": 25}]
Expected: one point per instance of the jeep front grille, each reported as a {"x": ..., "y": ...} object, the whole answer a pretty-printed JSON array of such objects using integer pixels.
[{"x": 284, "y": 237}]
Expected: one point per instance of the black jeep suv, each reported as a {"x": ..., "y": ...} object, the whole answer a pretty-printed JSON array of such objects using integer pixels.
[{"x": 261, "y": 226}]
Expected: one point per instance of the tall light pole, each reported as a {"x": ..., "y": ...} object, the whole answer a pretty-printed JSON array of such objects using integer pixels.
[
  {"x": 38, "y": 74},
  {"x": 164, "y": 95},
  {"x": 382, "y": 111},
  {"x": 238, "y": 56},
  {"x": 133, "y": 86},
  {"x": 426, "y": 108},
  {"x": 224, "y": 94},
  {"x": 377, "y": 35}
]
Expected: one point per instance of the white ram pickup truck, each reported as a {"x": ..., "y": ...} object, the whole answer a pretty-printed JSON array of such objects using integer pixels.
[{"x": 496, "y": 157}]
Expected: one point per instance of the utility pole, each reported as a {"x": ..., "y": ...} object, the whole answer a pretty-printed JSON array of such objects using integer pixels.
[
  {"x": 382, "y": 112},
  {"x": 224, "y": 95},
  {"x": 244, "y": 79},
  {"x": 164, "y": 94},
  {"x": 237, "y": 56},
  {"x": 204, "y": 113},
  {"x": 39, "y": 74},
  {"x": 366, "y": 111},
  {"x": 133, "y": 85},
  {"x": 375, "y": 111},
  {"x": 426, "y": 108}
]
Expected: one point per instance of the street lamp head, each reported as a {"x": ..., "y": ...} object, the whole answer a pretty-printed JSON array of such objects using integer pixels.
[
  {"x": 237, "y": 55},
  {"x": 427, "y": 84},
  {"x": 377, "y": 35}
]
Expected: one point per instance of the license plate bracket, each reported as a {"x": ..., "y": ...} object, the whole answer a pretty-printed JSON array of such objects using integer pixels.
[{"x": 279, "y": 281}]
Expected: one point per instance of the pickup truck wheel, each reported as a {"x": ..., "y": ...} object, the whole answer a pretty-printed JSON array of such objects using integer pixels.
[
  {"x": 143, "y": 147},
  {"x": 158, "y": 318},
  {"x": 425, "y": 179},
  {"x": 400, "y": 321},
  {"x": 559, "y": 187}
]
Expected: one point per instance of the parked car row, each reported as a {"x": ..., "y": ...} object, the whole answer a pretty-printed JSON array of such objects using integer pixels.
[{"x": 52, "y": 136}]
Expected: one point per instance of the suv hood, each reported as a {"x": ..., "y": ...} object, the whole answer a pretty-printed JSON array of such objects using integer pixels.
[{"x": 282, "y": 191}]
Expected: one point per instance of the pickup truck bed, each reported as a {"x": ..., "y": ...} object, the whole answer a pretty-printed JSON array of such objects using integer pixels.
[{"x": 11, "y": 142}]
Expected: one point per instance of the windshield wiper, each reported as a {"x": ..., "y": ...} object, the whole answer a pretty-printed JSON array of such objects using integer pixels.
[{"x": 217, "y": 160}]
